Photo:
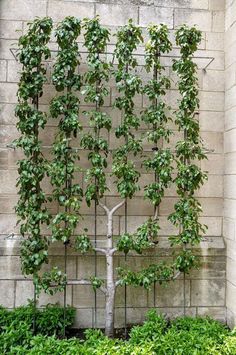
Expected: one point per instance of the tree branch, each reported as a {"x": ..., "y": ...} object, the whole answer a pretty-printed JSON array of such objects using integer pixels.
[
  {"x": 100, "y": 250},
  {"x": 85, "y": 282}
]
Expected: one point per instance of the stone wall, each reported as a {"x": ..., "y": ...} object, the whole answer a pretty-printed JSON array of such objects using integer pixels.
[
  {"x": 205, "y": 289},
  {"x": 230, "y": 158}
]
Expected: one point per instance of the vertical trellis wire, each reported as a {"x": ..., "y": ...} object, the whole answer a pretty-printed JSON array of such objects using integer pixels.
[
  {"x": 95, "y": 227},
  {"x": 68, "y": 185},
  {"x": 34, "y": 310},
  {"x": 155, "y": 77},
  {"x": 184, "y": 274},
  {"x": 126, "y": 228},
  {"x": 36, "y": 132},
  {"x": 95, "y": 260}
]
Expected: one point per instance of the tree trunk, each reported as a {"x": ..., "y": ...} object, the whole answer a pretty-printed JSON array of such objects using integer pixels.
[
  {"x": 110, "y": 285},
  {"x": 110, "y": 298}
]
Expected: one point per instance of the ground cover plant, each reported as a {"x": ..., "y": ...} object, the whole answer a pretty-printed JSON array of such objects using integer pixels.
[{"x": 182, "y": 336}]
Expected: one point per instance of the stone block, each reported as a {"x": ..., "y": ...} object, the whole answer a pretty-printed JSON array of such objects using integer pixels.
[
  {"x": 207, "y": 293},
  {"x": 229, "y": 54},
  {"x": 116, "y": 15},
  {"x": 136, "y": 297},
  {"x": 84, "y": 318},
  {"x": 230, "y": 163},
  {"x": 230, "y": 318},
  {"x": 45, "y": 299},
  {"x": 8, "y": 93},
  {"x": 209, "y": 270},
  {"x": 7, "y": 203},
  {"x": 8, "y": 181},
  {"x": 213, "y": 187},
  {"x": 7, "y": 115},
  {"x": 230, "y": 119},
  {"x": 10, "y": 29},
  {"x": 6, "y": 45},
  {"x": 230, "y": 98},
  {"x": 214, "y": 164},
  {"x": 218, "y": 313},
  {"x": 230, "y": 15},
  {"x": 22, "y": 9},
  {"x": 230, "y": 76},
  {"x": 229, "y": 208},
  {"x": 88, "y": 222},
  {"x": 137, "y": 206},
  {"x": 231, "y": 296},
  {"x": 218, "y": 21},
  {"x": 134, "y": 221},
  {"x": 10, "y": 267},
  {"x": 59, "y": 261},
  {"x": 13, "y": 71},
  {"x": 172, "y": 294},
  {"x": 213, "y": 80},
  {"x": 149, "y": 15},
  {"x": 214, "y": 225},
  {"x": 193, "y": 17},
  {"x": 3, "y": 70},
  {"x": 215, "y": 41},
  {"x": 211, "y": 101},
  {"x": 230, "y": 186},
  {"x": 217, "y": 5},
  {"x": 229, "y": 228},
  {"x": 69, "y": 8},
  {"x": 213, "y": 141},
  {"x": 84, "y": 297},
  {"x": 231, "y": 271},
  {"x": 7, "y": 293},
  {"x": 86, "y": 266},
  {"x": 8, "y": 224},
  {"x": 192, "y": 4},
  {"x": 24, "y": 292},
  {"x": 211, "y": 121}
]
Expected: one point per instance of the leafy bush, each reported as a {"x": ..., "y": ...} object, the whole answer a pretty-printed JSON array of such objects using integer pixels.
[
  {"x": 152, "y": 329},
  {"x": 49, "y": 320},
  {"x": 183, "y": 336}
]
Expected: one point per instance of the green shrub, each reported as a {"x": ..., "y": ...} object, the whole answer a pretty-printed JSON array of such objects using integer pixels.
[
  {"x": 15, "y": 335},
  {"x": 183, "y": 336},
  {"x": 49, "y": 320},
  {"x": 151, "y": 330}
]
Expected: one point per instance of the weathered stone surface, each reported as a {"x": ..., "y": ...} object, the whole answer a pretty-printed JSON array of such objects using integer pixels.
[
  {"x": 22, "y": 9},
  {"x": 7, "y": 293},
  {"x": 116, "y": 15},
  {"x": 69, "y": 8},
  {"x": 207, "y": 293},
  {"x": 193, "y": 17},
  {"x": 156, "y": 15}
]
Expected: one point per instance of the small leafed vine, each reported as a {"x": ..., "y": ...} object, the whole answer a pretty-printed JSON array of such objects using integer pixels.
[{"x": 31, "y": 208}]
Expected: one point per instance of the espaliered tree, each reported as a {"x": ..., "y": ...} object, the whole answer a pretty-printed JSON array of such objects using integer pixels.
[
  {"x": 188, "y": 150},
  {"x": 31, "y": 208},
  {"x": 64, "y": 166},
  {"x": 62, "y": 169}
]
